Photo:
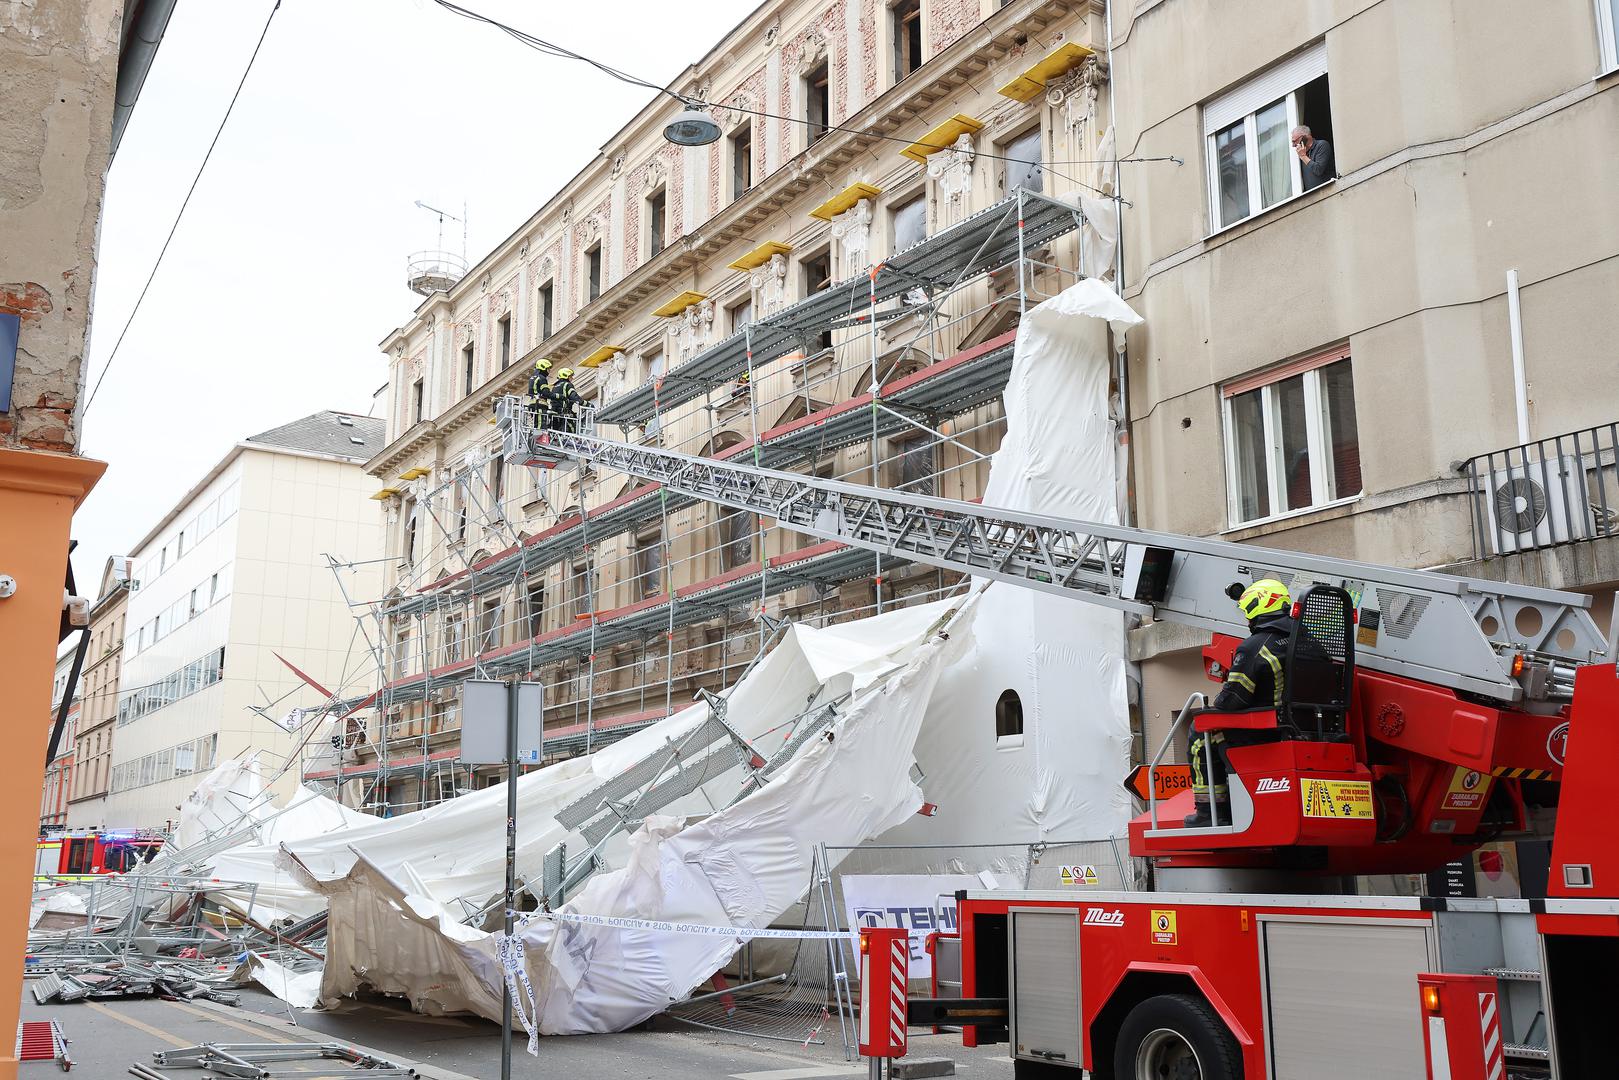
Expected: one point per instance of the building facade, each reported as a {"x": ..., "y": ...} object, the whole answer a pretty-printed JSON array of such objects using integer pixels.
[
  {"x": 59, "y": 771},
  {"x": 1327, "y": 364},
  {"x": 851, "y": 132},
  {"x": 103, "y": 665},
  {"x": 231, "y": 579}
]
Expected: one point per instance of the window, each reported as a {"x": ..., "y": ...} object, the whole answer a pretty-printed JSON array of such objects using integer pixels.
[
  {"x": 1023, "y": 167},
  {"x": 741, "y": 160},
  {"x": 505, "y": 326},
  {"x": 1291, "y": 438},
  {"x": 593, "y": 271},
  {"x": 910, "y": 222},
  {"x": 180, "y": 544},
  {"x": 410, "y": 532},
  {"x": 458, "y": 509},
  {"x": 817, "y": 270},
  {"x": 579, "y": 588},
  {"x": 497, "y": 481},
  {"x": 817, "y": 102},
  {"x": 736, "y": 539},
  {"x": 455, "y": 637},
  {"x": 163, "y": 559},
  {"x": 489, "y": 625},
  {"x": 547, "y": 305},
  {"x": 648, "y": 564},
  {"x": 196, "y": 598},
  {"x": 402, "y": 654},
  {"x": 907, "y": 27},
  {"x": 656, "y": 204},
  {"x": 1008, "y": 714},
  {"x": 1608, "y": 33},
  {"x": 741, "y": 314},
  {"x": 417, "y": 401},
  {"x": 536, "y": 607},
  {"x": 469, "y": 363},
  {"x": 1257, "y": 132},
  {"x": 917, "y": 466}
]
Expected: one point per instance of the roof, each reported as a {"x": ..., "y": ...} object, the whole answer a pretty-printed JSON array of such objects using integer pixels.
[{"x": 337, "y": 434}]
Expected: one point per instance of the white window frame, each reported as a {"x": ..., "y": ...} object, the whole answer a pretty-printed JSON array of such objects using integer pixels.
[
  {"x": 1607, "y": 38},
  {"x": 1314, "y": 433},
  {"x": 1283, "y": 81}
]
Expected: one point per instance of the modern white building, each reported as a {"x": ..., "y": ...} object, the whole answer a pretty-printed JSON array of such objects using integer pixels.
[{"x": 230, "y": 578}]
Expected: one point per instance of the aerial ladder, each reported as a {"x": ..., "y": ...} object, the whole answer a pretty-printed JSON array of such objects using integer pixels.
[{"x": 1451, "y": 727}]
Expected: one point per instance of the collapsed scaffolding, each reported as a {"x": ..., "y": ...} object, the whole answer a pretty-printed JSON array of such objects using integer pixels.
[{"x": 890, "y": 376}]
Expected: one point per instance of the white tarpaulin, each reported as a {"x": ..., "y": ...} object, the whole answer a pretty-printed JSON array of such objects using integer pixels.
[{"x": 1062, "y": 659}]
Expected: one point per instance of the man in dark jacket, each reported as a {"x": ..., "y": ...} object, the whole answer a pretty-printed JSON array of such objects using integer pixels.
[
  {"x": 1255, "y": 681},
  {"x": 539, "y": 392},
  {"x": 1316, "y": 156},
  {"x": 565, "y": 402}
]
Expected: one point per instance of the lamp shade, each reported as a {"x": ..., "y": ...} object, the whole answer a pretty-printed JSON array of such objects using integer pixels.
[{"x": 692, "y": 127}]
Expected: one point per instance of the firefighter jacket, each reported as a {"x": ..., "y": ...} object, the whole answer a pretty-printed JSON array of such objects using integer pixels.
[
  {"x": 563, "y": 397},
  {"x": 1255, "y": 680}
]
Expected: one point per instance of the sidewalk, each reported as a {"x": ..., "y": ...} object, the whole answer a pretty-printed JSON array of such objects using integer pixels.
[{"x": 107, "y": 1036}]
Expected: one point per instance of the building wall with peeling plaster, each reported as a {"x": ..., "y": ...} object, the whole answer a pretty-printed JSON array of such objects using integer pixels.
[{"x": 58, "y": 72}]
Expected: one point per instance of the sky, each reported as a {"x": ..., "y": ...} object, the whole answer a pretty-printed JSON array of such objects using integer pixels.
[{"x": 289, "y": 265}]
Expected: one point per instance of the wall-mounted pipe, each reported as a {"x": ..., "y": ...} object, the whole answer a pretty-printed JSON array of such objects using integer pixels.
[{"x": 1520, "y": 382}]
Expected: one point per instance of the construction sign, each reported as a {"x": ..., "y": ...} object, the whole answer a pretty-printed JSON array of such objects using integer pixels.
[
  {"x": 1467, "y": 790},
  {"x": 1078, "y": 875},
  {"x": 1166, "y": 780},
  {"x": 1337, "y": 798},
  {"x": 1163, "y": 928}
]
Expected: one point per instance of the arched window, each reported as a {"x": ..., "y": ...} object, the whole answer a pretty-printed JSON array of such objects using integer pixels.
[
  {"x": 733, "y": 528},
  {"x": 1008, "y": 715}
]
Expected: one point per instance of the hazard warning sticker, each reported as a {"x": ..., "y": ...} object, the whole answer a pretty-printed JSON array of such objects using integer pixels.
[
  {"x": 1163, "y": 928},
  {"x": 1467, "y": 791},
  {"x": 1081, "y": 874},
  {"x": 1337, "y": 798}
]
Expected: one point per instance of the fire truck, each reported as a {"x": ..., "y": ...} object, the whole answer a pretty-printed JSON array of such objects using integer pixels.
[
  {"x": 1424, "y": 716},
  {"x": 89, "y": 853}
]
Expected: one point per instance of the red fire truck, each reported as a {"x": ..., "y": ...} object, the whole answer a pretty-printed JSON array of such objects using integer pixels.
[
  {"x": 88, "y": 853},
  {"x": 1425, "y": 715}
]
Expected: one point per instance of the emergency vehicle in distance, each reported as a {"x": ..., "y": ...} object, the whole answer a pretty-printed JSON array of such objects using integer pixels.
[{"x": 91, "y": 853}]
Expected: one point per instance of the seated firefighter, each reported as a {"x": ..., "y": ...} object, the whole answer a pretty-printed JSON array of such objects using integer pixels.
[{"x": 1256, "y": 681}]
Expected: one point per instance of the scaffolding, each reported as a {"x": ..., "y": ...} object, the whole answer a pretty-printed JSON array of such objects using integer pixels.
[{"x": 638, "y": 599}]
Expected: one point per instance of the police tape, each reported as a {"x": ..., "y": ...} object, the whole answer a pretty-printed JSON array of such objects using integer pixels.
[{"x": 622, "y": 923}]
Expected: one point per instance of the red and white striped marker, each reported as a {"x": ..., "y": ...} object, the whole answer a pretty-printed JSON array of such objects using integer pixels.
[
  {"x": 1495, "y": 1058},
  {"x": 885, "y": 961}
]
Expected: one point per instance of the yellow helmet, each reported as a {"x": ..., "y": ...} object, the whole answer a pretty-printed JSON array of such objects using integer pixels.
[
  {"x": 565, "y": 373},
  {"x": 542, "y": 364},
  {"x": 1263, "y": 597}
]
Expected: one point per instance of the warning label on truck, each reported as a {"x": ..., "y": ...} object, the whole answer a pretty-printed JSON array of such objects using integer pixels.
[
  {"x": 1163, "y": 928},
  {"x": 1337, "y": 798},
  {"x": 1467, "y": 790}
]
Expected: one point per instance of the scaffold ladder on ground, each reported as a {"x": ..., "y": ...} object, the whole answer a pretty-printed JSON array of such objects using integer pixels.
[{"x": 1501, "y": 641}]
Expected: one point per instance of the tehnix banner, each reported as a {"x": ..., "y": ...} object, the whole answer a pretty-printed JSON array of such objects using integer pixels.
[{"x": 920, "y": 903}]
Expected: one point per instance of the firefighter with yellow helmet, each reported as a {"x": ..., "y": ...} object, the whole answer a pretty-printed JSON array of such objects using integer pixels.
[
  {"x": 565, "y": 402},
  {"x": 539, "y": 391},
  {"x": 1255, "y": 681}
]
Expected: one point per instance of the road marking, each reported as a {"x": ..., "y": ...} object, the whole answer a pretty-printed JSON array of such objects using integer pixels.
[
  {"x": 157, "y": 1033},
  {"x": 801, "y": 1074},
  {"x": 256, "y": 1030}
]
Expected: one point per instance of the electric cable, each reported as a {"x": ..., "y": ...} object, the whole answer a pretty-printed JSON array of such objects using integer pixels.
[{"x": 181, "y": 214}]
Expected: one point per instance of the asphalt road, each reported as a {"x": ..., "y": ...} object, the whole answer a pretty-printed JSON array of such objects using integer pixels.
[{"x": 106, "y": 1036}]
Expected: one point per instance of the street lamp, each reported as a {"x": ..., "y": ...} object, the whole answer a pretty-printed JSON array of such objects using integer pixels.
[{"x": 692, "y": 126}]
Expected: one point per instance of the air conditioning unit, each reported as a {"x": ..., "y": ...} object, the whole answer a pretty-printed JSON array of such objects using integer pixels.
[{"x": 1537, "y": 505}]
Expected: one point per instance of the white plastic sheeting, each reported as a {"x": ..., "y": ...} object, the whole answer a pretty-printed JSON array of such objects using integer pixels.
[{"x": 1063, "y": 659}]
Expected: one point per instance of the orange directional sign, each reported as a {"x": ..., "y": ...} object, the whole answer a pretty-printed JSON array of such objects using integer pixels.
[{"x": 1167, "y": 779}]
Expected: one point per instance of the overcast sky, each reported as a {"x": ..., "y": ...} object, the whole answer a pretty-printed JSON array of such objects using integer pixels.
[{"x": 290, "y": 264}]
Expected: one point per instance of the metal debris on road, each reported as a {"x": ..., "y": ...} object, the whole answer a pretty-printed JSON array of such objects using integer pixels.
[{"x": 256, "y": 1061}]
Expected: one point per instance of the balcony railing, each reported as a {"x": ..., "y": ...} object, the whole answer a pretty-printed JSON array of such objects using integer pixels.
[{"x": 1561, "y": 490}]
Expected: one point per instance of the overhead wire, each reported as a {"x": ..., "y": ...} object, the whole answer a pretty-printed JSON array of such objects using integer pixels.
[
  {"x": 180, "y": 215},
  {"x": 552, "y": 49}
]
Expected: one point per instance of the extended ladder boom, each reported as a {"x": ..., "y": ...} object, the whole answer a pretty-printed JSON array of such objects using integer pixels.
[{"x": 1464, "y": 633}]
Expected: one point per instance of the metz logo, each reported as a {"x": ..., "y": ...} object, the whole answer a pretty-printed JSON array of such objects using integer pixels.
[
  {"x": 1103, "y": 917},
  {"x": 1269, "y": 785}
]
